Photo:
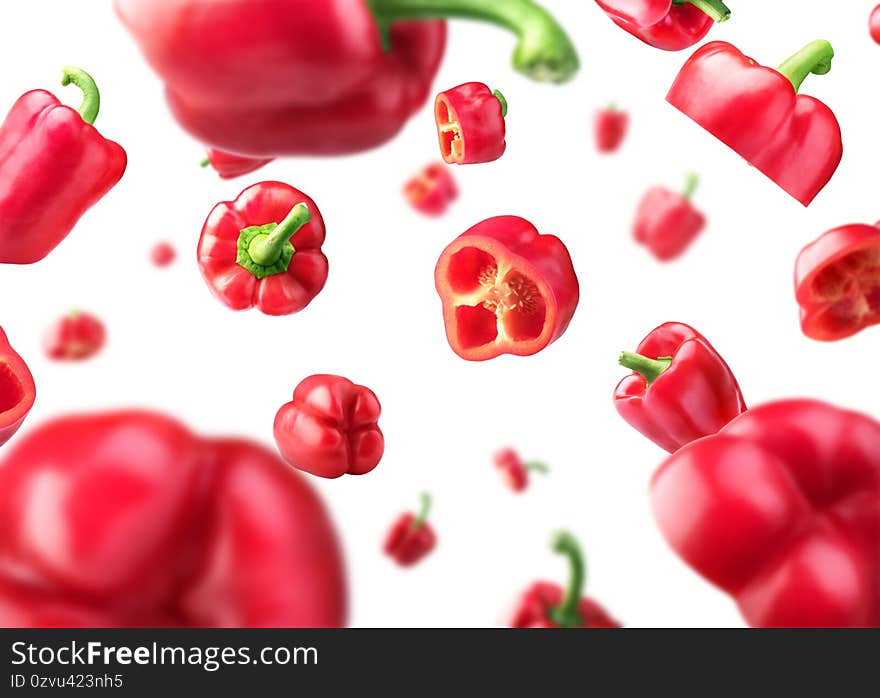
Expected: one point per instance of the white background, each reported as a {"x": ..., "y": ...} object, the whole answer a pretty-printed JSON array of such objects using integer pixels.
[{"x": 174, "y": 347}]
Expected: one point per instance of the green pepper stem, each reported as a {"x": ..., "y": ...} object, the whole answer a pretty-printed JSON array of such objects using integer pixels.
[
  {"x": 813, "y": 58},
  {"x": 501, "y": 98},
  {"x": 691, "y": 183},
  {"x": 536, "y": 466},
  {"x": 651, "y": 369},
  {"x": 716, "y": 9},
  {"x": 91, "y": 103},
  {"x": 266, "y": 250},
  {"x": 544, "y": 51},
  {"x": 206, "y": 162},
  {"x": 566, "y": 615},
  {"x": 424, "y": 510}
]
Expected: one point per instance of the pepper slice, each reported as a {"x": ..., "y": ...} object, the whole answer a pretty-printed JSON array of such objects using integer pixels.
[
  {"x": 229, "y": 166},
  {"x": 470, "y": 124},
  {"x": 17, "y": 390},
  {"x": 671, "y": 25},
  {"x": 506, "y": 289}
]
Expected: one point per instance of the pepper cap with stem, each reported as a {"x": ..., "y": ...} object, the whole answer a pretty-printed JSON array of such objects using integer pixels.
[
  {"x": 567, "y": 613},
  {"x": 814, "y": 58},
  {"x": 91, "y": 103},
  {"x": 649, "y": 369},
  {"x": 266, "y": 250},
  {"x": 691, "y": 183}
]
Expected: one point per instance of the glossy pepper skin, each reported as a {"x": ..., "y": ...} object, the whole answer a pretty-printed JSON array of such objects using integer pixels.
[
  {"x": 611, "y": 126},
  {"x": 263, "y": 250},
  {"x": 55, "y": 166},
  {"x": 780, "y": 510},
  {"x": 230, "y": 166},
  {"x": 667, "y": 223},
  {"x": 680, "y": 390},
  {"x": 837, "y": 283},
  {"x": 506, "y": 289},
  {"x": 128, "y": 519},
  {"x": 319, "y": 78},
  {"x": 874, "y": 24},
  {"x": 17, "y": 390},
  {"x": 77, "y": 336},
  {"x": 330, "y": 428},
  {"x": 163, "y": 254},
  {"x": 432, "y": 190},
  {"x": 548, "y": 605},
  {"x": 470, "y": 124},
  {"x": 756, "y": 111},
  {"x": 411, "y": 537},
  {"x": 516, "y": 472},
  {"x": 671, "y": 25}
]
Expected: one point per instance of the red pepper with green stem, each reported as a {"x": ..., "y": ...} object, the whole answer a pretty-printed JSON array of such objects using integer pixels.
[
  {"x": 17, "y": 390},
  {"x": 514, "y": 471},
  {"x": 671, "y": 25},
  {"x": 411, "y": 537},
  {"x": 230, "y": 166},
  {"x": 667, "y": 223},
  {"x": 470, "y": 124}
]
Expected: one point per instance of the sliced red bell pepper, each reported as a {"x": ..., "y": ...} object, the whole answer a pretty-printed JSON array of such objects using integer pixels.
[
  {"x": 506, "y": 289},
  {"x": 781, "y": 509},
  {"x": 263, "y": 250},
  {"x": 470, "y": 124},
  {"x": 230, "y": 166},
  {"x": 17, "y": 390},
  {"x": 611, "y": 126},
  {"x": 75, "y": 337},
  {"x": 432, "y": 190},
  {"x": 680, "y": 390},
  {"x": 411, "y": 537},
  {"x": 837, "y": 283},
  {"x": 671, "y": 25},
  {"x": 55, "y": 166},
  {"x": 793, "y": 139},
  {"x": 667, "y": 223},
  {"x": 514, "y": 471}
]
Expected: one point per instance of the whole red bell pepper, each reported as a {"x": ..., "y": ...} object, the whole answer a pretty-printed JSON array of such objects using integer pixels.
[
  {"x": 874, "y": 24},
  {"x": 411, "y": 537},
  {"x": 75, "y": 337},
  {"x": 506, "y": 289},
  {"x": 793, "y": 139},
  {"x": 516, "y": 472},
  {"x": 547, "y": 605},
  {"x": 611, "y": 126},
  {"x": 432, "y": 190},
  {"x": 470, "y": 124},
  {"x": 667, "y": 222},
  {"x": 55, "y": 166},
  {"x": 230, "y": 166},
  {"x": 331, "y": 428},
  {"x": 318, "y": 77},
  {"x": 127, "y": 519},
  {"x": 17, "y": 390},
  {"x": 837, "y": 282},
  {"x": 263, "y": 250},
  {"x": 671, "y": 25},
  {"x": 680, "y": 390},
  {"x": 781, "y": 509}
]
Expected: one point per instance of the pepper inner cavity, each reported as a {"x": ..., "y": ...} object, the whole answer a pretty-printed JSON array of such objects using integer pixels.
[
  {"x": 451, "y": 143},
  {"x": 11, "y": 389}
]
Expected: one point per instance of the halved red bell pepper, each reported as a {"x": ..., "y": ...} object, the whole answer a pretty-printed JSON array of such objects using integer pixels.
[
  {"x": 793, "y": 139},
  {"x": 671, "y": 25},
  {"x": 230, "y": 166},
  {"x": 470, "y": 124},
  {"x": 506, "y": 289},
  {"x": 17, "y": 390},
  {"x": 667, "y": 223},
  {"x": 837, "y": 282},
  {"x": 432, "y": 190},
  {"x": 411, "y": 537}
]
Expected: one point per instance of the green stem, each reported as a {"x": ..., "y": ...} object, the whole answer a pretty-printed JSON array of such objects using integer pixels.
[
  {"x": 566, "y": 615},
  {"x": 691, "y": 182},
  {"x": 266, "y": 250},
  {"x": 91, "y": 103},
  {"x": 716, "y": 9},
  {"x": 501, "y": 98},
  {"x": 537, "y": 467},
  {"x": 813, "y": 58},
  {"x": 423, "y": 511},
  {"x": 544, "y": 51},
  {"x": 651, "y": 369},
  {"x": 206, "y": 162}
]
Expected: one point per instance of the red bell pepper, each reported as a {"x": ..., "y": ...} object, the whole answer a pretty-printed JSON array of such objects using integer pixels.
[
  {"x": 514, "y": 471},
  {"x": 680, "y": 390},
  {"x": 263, "y": 250},
  {"x": 55, "y": 166},
  {"x": 411, "y": 537},
  {"x": 230, "y": 166},
  {"x": 667, "y": 222},
  {"x": 432, "y": 190},
  {"x": 470, "y": 124},
  {"x": 780, "y": 509},
  {"x": 874, "y": 24},
  {"x": 318, "y": 77},
  {"x": 506, "y": 289},
  {"x": 17, "y": 390},
  {"x": 547, "y": 605},
  {"x": 671, "y": 25},
  {"x": 75, "y": 337},
  {"x": 127, "y": 519},
  {"x": 331, "y": 428},
  {"x": 793, "y": 139},
  {"x": 163, "y": 254},
  {"x": 611, "y": 126},
  {"x": 837, "y": 283}
]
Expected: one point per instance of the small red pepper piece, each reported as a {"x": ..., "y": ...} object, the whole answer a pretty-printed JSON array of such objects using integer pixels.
[
  {"x": 163, "y": 254},
  {"x": 75, "y": 337},
  {"x": 470, "y": 124},
  {"x": 56, "y": 166},
  {"x": 17, "y": 390},
  {"x": 680, "y": 390},
  {"x": 506, "y": 289},
  {"x": 874, "y": 24},
  {"x": 514, "y": 471},
  {"x": 667, "y": 222},
  {"x": 547, "y": 605},
  {"x": 611, "y": 126},
  {"x": 756, "y": 111},
  {"x": 837, "y": 283},
  {"x": 331, "y": 428},
  {"x": 411, "y": 537},
  {"x": 263, "y": 250},
  {"x": 671, "y": 25},
  {"x": 230, "y": 166},
  {"x": 432, "y": 190}
]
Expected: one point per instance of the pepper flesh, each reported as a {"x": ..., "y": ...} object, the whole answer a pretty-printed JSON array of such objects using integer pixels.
[
  {"x": 611, "y": 125},
  {"x": 432, "y": 190},
  {"x": 230, "y": 166},
  {"x": 671, "y": 25},
  {"x": 411, "y": 537},
  {"x": 667, "y": 223},
  {"x": 470, "y": 124},
  {"x": 77, "y": 336},
  {"x": 874, "y": 24},
  {"x": 17, "y": 390}
]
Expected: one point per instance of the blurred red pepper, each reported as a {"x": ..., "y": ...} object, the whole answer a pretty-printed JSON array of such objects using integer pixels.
[
  {"x": 547, "y": 605},
  {"x": 75, "y": 337},
  {"x": 781, "y": 509},
  {"x": 514, "y": 471},
  {"x": 264, "y": 250},
  {"x": 17, "y": 390},
  {"x": 793, "y": 139},
  {"x": 321, "y": 78},
  {"x": 163, "y": 254},
  {"x": 874, "y": 24},
  {"x": 680, "y": 390},
  {"x": 506, "y": 289},
  {"x": 55, "y": 166},
  {"x": 470, "y": 124},
  {"x": 127, "y": 519},
  {"x": 611, "y": 127},
  {"x": 230, "y": 166},
  {"x": 671, "y": 25},
  {"x": 432, "y": 190},
  {"x": 667, "y": 222},
  {"x": 411, "y": 537},
  {"x": 330, "y": 428},
  {"x": 837, "y": 283}
]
